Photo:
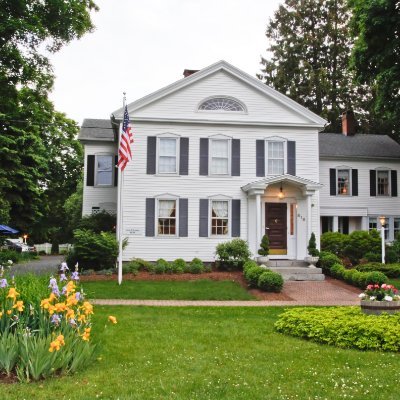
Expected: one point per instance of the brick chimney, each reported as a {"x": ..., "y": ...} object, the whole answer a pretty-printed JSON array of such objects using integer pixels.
[
  {"x": 348, "y": 123},
  {"x": 188, "y": 72}
]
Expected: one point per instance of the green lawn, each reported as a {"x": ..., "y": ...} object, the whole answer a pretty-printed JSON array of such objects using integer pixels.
[
  {"x": 395, "y": 282},
  {"x": 214, "y": 353},
  {"x": 203, "y": 289}
]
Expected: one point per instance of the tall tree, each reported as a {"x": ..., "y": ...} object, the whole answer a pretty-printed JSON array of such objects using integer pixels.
[
  {"x": 376, "y": 55},
  {"x": 29, "y": 29},
  {"x": 309, "y": 50}
]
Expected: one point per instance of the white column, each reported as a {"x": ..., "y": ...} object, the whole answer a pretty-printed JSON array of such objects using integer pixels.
[
  {"x": 364, "y": 223},
  {"x": 309, "y": 217},
  {"x": 258, "y": 220},
  {"x": 335, "y": 224}
]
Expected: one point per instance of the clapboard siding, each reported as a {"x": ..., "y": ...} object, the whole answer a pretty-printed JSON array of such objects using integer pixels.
[
  {"x": 94, "y": 196},
  {"x": 375, "y": 205},
  {"x": 184, "y": 103},
  {"x": 139, "y": 186}
]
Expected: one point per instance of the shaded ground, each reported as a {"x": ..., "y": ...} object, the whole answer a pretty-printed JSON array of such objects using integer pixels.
[{"x": 45, "y": 265}]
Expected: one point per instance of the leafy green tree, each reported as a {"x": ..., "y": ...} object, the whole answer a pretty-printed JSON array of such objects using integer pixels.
[
  {"x": 375, "y": 57},
  {"x": 308, "y": 59}
]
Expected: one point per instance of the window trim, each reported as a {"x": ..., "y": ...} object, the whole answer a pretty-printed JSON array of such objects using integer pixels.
[
  {"x": 164, "y": 197},
  {"x": 112, "y": 155},
  {"x": 229, "y": 141},
  {"x": 274, "y": 139},
  {"x": 177, "y": 153},
  {"x": 389, "y": 172},
  {"x": 229, "y": 201}
]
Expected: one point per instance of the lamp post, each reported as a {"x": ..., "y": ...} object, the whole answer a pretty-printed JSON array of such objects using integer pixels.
[
  {"x": 383, "y": 223},
  {"x": 25, "y": 237}
]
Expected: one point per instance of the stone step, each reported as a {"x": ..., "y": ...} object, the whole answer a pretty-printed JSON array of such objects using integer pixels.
[
  {"x": 299, "y": 273},
  {"x": 287, "y": 263}
]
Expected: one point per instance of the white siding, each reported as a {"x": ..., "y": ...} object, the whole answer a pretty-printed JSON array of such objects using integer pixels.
[
  {"x": 96, "y": 196},
  {"x": 184, "y": 102}
]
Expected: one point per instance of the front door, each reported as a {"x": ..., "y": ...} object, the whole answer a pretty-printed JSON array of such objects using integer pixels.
[{"x": 276, "y": 227}]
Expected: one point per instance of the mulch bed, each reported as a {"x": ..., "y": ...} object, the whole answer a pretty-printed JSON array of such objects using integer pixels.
[{"x": 236, "y": 276}]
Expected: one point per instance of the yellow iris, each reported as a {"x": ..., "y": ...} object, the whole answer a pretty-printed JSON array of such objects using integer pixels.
[
  {"x": 12, "y": 294},
  {"x": 86, "y": 334},
  {"x": 112, "y": 319},
  {"x": 19, "y": 305},
  {"x": 57, "y": 343},
  {"x": 87, "y": 308}
]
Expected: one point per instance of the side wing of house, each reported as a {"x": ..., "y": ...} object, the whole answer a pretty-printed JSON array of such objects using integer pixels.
[
  {"x": 360, "y": 175},
  {"x": 219, "y": 155},
  {"x": 100, "y": 175}
]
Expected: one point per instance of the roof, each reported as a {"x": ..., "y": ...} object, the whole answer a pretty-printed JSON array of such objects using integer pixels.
[
  {"x": 97, "y": 130},
  {"x": 360, "y": 146}
]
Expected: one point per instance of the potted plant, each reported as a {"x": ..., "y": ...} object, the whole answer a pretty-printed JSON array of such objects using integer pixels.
[
  {"x": 263, "y": 250},
  {"x": 313, "y": 252},
  {"x": 377, "y": 299}
]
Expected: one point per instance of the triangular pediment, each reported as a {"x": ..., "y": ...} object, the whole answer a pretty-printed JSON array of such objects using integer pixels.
[{"x": 180, "y": 101}]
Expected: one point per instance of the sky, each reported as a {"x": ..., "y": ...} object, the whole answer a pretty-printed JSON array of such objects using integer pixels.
[{"x": 140, "y": 46}]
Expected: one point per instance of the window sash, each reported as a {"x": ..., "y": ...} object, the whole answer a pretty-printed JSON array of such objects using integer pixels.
[
  {"x": 104, "y": 170},
  {"x": 382, "y": 183},
  {"x": 372, "y": 223},
  {"x": 219, "y": 218},
  {"x": 166, "y": 218},
  {"x": 396, "y": 227},
  {"x": 219, "y": 154},
  {"x": 167, "y": 150},
  {"x": 343, "y": 182},
  {"x": 276, "y": 157}
]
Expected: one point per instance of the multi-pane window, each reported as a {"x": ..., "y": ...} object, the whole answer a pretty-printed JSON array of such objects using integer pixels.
[
  {"x": 219, "y": 217},
  {"x": 387, "y": 228},
  {"x": 276, "y": 158},
  {"x": 372, "y": 223},
  {"x": 396, "y": 227},
  {"x": 343, "y": 182},
  {"x": 167, "y": 217},
  {"x": 221, "y": 104},
  {"x": 167, "y": 155},
  {"x": 382, "y": 183},
  {"x": 219, "y": 154},
  {"x": 104, "y": 170}
]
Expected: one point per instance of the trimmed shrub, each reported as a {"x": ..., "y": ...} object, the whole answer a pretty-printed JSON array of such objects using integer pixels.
[
  {"x": 264, "y": 246},
  {"x": 391, "y": 255},
  {"x": 312, "y": 246},
  {"x": 327, "y": 260},
  {"x": 373, "y": 278},
  {"x": 133, "y": 267},
  {"x": 232, "y": 254},
  {"x": 249, "y": 264},
  {"x": 93, "y": 250},
  {"x": 390, "y": 270},
  {"x": 270, "y": 281},
  {"x": 373, "y": 257},
  {"x": 179, "y": 266},
  {"x": 334, "y": 242},
  {"x": 252, "y": 274},
  {"x": 360, "y": 243},
  {"x": 161, "y": 266},
  {"x": 345, "y": 327},
  {"x": 99, "y": 222},
  {"x": 196, "y": 266}
]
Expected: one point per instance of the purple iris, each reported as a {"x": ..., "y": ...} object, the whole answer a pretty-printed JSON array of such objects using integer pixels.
[
  {"x": 64, "y": 267},
  {"x": 55, "y": 319},
  {"x": 63, "y": 277},
  {"x": 53, "y": 282},
  {"x": 3, "y": 283},
  {"x": 78, "y": 296},
  {"x": 56, "y": 290},
  {"x": 75, "y": 276},
  {"x": 72, "y": 322}
]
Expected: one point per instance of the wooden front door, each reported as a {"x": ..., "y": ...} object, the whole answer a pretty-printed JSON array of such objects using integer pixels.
[{"x": 276, "y": 227}]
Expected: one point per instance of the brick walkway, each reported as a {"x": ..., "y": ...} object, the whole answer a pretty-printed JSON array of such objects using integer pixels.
[{"x": 326, "y": 293}]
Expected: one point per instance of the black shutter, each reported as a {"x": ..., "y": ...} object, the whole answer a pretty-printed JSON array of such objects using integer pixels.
[
  {"x": 354, "y": 182},
  {"x": 235, "y": 170},
  {"x": 203, "y": 222},
  {"x": 291, "y": 158},
  {"x": 183, "y": 217},
  {"x": 332, "y": 181},
  {"x": 394, "y": 183},
  {"x": 151, "y": 154},
  {"x": 260, "y": 157},
  {"x": 235, "y": 218},
  {"x": 203, "y": 156},
  {"x": 116, "y": 171},
  {"x": 90, "y": 170},
  {"x": 150, "y": 216},
  {"x": 184, "y": 156},
  {"x": 372, "y": 182}
]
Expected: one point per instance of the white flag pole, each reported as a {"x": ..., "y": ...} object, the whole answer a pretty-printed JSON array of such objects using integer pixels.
[{"x": 120, "y": 206}]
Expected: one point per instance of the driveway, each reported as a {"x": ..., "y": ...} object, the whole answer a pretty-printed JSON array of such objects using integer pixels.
[{"x": 45, "y": 265}]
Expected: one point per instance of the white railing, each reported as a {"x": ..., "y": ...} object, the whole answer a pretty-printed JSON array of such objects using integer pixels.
[{"x": 46, "y": 247}]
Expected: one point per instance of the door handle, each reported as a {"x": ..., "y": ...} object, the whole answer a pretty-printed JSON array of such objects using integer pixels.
[{"x": 266, "y": 227}]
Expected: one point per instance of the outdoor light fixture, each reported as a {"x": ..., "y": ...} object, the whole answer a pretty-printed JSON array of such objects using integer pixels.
[
  {"x": 382, "y": 220},
  {"x": 25, "y": 237},
  {"x": 280, "y": 194}
]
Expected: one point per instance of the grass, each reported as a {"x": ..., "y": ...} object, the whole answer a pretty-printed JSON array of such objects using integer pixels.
[
  {"x": 214, "y": 353},
  {"x": 395, "y": 282},
  {"x": 203, "y": 289}
]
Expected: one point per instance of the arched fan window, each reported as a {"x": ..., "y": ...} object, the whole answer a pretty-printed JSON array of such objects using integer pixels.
[{"x": 221, "y": 104}]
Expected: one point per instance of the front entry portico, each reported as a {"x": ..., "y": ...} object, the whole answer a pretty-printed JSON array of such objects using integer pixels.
[{"x": 285, "y": 207}]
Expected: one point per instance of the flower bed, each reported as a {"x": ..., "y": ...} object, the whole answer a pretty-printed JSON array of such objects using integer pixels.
[{"x": 41, "y": 337}]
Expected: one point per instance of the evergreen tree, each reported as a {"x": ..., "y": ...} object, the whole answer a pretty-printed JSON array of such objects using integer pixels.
[{"x": 308, "y": 59}]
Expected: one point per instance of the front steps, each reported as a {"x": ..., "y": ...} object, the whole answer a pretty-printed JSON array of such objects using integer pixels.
[{"x": 295, "y": 270}]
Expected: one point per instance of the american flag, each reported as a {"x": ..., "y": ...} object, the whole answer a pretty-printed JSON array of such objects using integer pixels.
[{"x": 124, "y": 151}]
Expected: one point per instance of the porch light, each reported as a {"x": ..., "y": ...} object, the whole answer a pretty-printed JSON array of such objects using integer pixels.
[
  {"x": 280, "y": 194},
  {"x": 25, "y": 237},
  {"x": 382, "y": 220}
]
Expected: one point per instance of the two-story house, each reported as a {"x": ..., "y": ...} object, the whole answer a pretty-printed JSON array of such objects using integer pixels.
[{"x": 219, "y": 155}]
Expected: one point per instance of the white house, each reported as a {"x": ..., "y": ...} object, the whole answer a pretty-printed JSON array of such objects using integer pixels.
[{"x": 219, "y": 155}]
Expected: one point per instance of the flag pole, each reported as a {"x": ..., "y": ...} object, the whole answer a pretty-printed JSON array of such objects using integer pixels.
[{"x": 120, "y": 205}]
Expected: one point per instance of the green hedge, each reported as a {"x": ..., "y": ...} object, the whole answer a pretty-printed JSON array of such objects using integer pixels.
[
  {"x": 390, "y": 270},
  {"x": 264, "y": 279},
  {"x": 345, "y": 327}
]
